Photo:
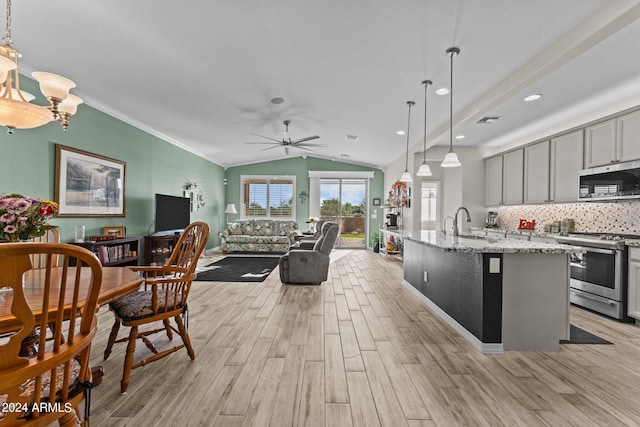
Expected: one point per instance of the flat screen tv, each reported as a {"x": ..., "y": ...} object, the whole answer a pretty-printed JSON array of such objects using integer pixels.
[{"x": 173, "y": 213}]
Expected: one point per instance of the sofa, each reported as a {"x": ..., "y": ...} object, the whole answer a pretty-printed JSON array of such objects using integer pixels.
[{"x": 258, "y": 235}]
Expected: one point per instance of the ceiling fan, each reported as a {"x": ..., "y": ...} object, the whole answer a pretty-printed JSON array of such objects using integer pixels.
[{"x": 287, "y": 142}]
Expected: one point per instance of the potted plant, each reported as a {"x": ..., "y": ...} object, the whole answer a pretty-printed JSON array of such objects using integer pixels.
[{"x": 374, "y": 242}]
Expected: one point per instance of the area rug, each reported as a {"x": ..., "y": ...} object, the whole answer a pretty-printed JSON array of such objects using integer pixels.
[
  {"x": 238, "y": 269},
  {"x": 580, "y": 336}
]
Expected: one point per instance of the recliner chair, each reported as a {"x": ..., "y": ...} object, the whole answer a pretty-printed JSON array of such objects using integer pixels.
[
  {"x": 309, "y": 266},
  {"x": 308, "y": 242}
]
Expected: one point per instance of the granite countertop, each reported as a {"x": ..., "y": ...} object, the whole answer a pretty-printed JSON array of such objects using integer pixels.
[
  {"x": 634, "y": 243},
  {"x": 512, "y": 231},
  {"x": 469, "y": 243}
]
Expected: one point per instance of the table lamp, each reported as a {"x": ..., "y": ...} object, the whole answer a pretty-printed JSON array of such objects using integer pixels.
[{"x": 231, "y": 209}]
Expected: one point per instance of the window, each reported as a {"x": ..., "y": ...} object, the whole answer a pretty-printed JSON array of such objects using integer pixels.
[{"x": 264, "y": 197}]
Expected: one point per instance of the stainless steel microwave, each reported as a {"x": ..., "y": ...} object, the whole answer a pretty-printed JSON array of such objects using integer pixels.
[{"x": 617, "y": 181}]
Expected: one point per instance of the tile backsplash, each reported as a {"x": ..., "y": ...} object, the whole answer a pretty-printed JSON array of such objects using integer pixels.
[{"x": 621, "y": 217}]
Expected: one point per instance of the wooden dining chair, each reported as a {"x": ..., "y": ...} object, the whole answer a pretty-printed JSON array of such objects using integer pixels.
[
  {"x": 53, "y": 383},
  {"x": 51, "y": 236},
  {"x": 163, "y": 297}
]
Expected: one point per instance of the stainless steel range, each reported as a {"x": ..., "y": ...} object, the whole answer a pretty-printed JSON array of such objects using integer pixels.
[{"x": 599, "y": 275}]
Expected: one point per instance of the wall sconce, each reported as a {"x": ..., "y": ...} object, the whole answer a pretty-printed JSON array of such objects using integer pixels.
[{"x": 303, "y": 196}]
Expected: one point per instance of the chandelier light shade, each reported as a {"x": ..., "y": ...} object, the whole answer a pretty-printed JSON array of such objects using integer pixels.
[
  {"x": 16, "y": 110},
  {"x": 406, "y": 176},
  {"x": 451, "y": 159},
  {"x": 424, "y": 169}
]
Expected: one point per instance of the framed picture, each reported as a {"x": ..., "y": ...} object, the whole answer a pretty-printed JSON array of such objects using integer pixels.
[
  {"x": 376, "y": 201},
  {"x": 115, "y": 230},
  {"x": 87, "y": 184}
]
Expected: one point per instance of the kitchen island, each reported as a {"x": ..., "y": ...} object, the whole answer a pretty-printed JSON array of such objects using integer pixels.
[{"x": 500, "y": 294}]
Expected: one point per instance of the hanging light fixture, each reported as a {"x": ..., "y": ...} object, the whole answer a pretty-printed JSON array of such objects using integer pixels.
[
  {"x": 424, "y": 169},
  {"x": 16, "y": 112},
  {"x": 451, "y": 159},
  {"x": 406, "y": 176}
]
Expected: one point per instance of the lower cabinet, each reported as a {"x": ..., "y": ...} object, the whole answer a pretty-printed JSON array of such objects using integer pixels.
[
  {"x": 158, "y": 249},
  {"x": 633, "y": 307}
]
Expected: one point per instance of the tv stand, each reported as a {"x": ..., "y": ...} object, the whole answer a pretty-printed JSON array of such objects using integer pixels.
[{"x": 158, "y": 249}]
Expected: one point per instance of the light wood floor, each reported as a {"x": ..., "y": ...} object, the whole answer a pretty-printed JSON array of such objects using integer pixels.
[{"x": 361, "y": 350}]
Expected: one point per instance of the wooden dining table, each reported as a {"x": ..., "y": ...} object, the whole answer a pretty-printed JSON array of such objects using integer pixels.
[{"x": 116, "y": 282}]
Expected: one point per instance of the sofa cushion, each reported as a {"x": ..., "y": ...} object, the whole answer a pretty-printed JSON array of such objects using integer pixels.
[
  {"x": 258, "y": 239},
  {"x": 235, "y": 228}
]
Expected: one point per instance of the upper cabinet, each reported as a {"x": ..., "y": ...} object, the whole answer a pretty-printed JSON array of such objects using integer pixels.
[
  {"x": 600, "y": 144},
  {"x": 536, "y": 173},
  {"x": 504, "y": 178},
  {"x": 512, "y": 177},
  {"x": 494, "y": 181},
  {"x": 613, "y": 141},
  {"x": 565, "y": 164},
  {"x": 629, "y": 137}
]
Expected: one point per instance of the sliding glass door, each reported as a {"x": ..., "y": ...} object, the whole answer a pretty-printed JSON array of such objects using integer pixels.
[{"x": 344, "y": 201}]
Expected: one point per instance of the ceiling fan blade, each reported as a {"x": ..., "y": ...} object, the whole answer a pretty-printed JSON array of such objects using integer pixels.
[
  {"x": 310, "y": 145},
  {"x": 266, "y": 137},
  {"x": 261, "y": 143},
  {"x": 309, "y": 138},
  {"x": 270, "y": 148}
]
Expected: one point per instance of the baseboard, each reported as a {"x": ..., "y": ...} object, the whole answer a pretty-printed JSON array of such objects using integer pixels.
[{"x": 486, "y": 348}]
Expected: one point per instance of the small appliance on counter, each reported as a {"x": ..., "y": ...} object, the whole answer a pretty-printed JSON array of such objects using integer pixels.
[
  {"x": 492, "y": 219},
  {"x": 392, "y": 220}
]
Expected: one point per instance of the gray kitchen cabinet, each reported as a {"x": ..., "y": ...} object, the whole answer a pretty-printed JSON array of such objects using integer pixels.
[
  {"x": 536, "y": 173},
  {"x": 613, "y": 141},
  {"x": 566, "y": 163},
  {"x": 513, "y": 177},
  {"x": 493, "y": 183},
  {"x": 628, "y": 147},
  {"x": 600, "y": 144},
  {"x": 633, "y": 306}
]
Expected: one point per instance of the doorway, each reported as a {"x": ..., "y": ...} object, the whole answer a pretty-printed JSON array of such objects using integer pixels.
[
  {"x": 344, "y": 200},
  {"x": 429, "y": 205}
]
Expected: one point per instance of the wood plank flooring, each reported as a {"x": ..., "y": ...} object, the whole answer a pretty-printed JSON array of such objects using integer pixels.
[{"x": 360, "y": 350}]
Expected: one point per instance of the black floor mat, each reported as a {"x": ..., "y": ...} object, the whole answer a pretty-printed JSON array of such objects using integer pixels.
[
  {"x": 238, "y": 269},
  {"x": 580, "y": 336}
]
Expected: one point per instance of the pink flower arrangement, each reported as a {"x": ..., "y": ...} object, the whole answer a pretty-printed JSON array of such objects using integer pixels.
[{"x": 22, "y": 218}]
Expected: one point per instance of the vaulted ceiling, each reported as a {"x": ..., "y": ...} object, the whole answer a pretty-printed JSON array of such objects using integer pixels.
[{"x": 202, "y": 74}]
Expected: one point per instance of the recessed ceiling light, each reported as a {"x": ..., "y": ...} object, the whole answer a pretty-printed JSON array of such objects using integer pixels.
[
  {"x": 533, "y": 97},
  {"x": 460, "y": 137},
  {"x": 442, "y": 91},
  {"x": 345, "y": 156},
  {"x": 400, "y": 132},
  {"x": 277, "y": 100},
  {"x": 351, "y": 137}
]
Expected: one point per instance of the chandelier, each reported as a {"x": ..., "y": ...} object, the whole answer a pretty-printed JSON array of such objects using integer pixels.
[{"x": 16, "y": 111}]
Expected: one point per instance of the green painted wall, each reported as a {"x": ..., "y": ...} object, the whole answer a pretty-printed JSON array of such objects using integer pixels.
[
  {"x": 300, "y": 167},
  {"x": 153, "y": 166}
]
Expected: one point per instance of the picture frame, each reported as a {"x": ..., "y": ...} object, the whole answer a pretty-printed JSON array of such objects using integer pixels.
[
  {"x": 376, "y": 201},
  {"x": 115, "y": 230},
  {"x": 88, "y": 184}
]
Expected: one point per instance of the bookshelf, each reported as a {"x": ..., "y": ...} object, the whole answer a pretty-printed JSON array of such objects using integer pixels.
[
  {"x": 116, "y": 252},
  {"x": 158, "y": 249}
]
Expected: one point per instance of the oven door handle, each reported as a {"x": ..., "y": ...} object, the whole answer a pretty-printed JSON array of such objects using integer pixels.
[
  {"x": 598, "y": 250},
  {"x": 600, "y": 300}
]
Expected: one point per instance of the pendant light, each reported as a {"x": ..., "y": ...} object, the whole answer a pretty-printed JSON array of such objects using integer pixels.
[
  {"x": 424, "y": 169},
  {"x": 451, "y": 159},
  {"x": 406, "y": 176}
]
